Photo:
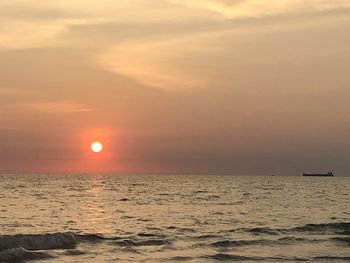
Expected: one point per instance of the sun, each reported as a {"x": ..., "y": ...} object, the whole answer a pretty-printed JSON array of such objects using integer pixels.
[{"x": 96, "y": 147}]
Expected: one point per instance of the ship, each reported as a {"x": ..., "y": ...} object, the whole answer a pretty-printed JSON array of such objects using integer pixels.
[{"x": 318, "y": 174}]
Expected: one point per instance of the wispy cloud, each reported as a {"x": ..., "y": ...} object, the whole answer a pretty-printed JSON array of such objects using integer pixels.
[
  {"x": 228, "y": 56},
  {"x": 28, "y": 100},
  {"x": 6, "y": 91},
  {"x": 152, "y": 63},
  {"x": 58, "y": 107},
  {"x": 258, "y": 8},
  {"x": 25, "y": 24},
  {"x": 37, "y": 23}
]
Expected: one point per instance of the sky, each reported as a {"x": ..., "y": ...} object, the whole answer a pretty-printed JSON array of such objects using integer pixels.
[{"x": 244, "y": 87}]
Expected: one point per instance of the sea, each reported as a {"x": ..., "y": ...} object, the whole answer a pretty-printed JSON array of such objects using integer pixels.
[{"x": 171, "y": 218}]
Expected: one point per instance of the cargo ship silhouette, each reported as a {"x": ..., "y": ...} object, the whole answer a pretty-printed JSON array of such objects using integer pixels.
[{"x": 318, "y": 174}]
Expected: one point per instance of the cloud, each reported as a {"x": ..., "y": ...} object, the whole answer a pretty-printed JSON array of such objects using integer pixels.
[
  {"x": 39, "y": 23},
  {"x": 239, "y": 55},
  {"x": 33, "y": 24},
  {"x": 8, "y": 96},
  {"x": 58, "y": 107},
  {"x": 5, "y": 91},
  {"x": 19, "y": 34},
  {"x": 153, "y": 63},
  {"x": 257, "y": 8},
  {"x": 29, "y": 100}
]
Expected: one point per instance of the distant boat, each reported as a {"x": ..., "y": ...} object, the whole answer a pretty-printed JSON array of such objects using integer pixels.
[{"x": 319, "y": 174}]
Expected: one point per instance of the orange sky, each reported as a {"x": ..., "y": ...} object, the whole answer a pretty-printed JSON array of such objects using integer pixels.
[{"x": 174, "y": 86}]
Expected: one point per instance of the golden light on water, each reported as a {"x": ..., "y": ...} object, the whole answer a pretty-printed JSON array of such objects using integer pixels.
[{"x": 96, "y": 147}]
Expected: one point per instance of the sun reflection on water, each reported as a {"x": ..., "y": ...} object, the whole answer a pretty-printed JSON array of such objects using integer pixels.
[{"x": 95, "y": 217}]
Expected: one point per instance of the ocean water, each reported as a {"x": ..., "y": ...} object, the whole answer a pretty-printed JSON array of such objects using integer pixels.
[{"x": 88, "y": 218}]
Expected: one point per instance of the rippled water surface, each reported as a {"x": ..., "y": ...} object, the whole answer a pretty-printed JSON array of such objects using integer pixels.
[{"x": 174, "y": 218}]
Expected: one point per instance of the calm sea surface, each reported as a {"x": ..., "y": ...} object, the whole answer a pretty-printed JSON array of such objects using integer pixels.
[{"x": 174, "y": 218}]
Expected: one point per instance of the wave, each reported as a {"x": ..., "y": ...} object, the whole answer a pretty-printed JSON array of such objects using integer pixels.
[
  {"x": 331, "y": 258},
  {"x": 180, "y": 258},
  {"x": 149, "y": 242},
  {"x": 129, "y": 250},
  {"x": 150, "y": 235},
  {"x": 262, "y": 230},
  {"x": 333, "y": 228},
  {"x": 344, "y": 240},
  {"x": 94, "y": 237},
  {"x": 341, "y": 228},
  {"x": 181, "y": 229},
  {"x": 207, "y": 236},
  {"x": 26, "y": 247},
  {"x": 263, "y": 242},
  {"x": 238, "y": 243},
  {"x": 21, "y": 254},
  {"x": 39, "y": 241},
  {"x": 21, "y": 247},
  {"x": 70, "y": 240},
  {"x": 232, "y": 257}
]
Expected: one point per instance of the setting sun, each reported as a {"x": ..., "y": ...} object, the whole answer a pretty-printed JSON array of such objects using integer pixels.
[{"x": 96, "y": 147}]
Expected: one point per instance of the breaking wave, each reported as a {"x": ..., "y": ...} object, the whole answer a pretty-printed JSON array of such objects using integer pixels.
[
  {"x": 36, "y": 246},
  {"x": 41, "y": 246},
  {"x": 39, "y": 241},
  {"x": 20, "y": 254}
]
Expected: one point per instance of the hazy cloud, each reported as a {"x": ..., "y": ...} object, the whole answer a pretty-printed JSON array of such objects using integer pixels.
[
  {"x": 260, "y": 84},
  {"x": 53, "y": 107},
  {"x": 31, "y": 24},
  {"x": 236, "y": 57},
  {"x": 5, "y": 91},
  {"x": 258, "y": 8}
]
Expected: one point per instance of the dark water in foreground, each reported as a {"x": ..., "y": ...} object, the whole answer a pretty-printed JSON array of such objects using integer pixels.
[{"x": 174, "y": 218}]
